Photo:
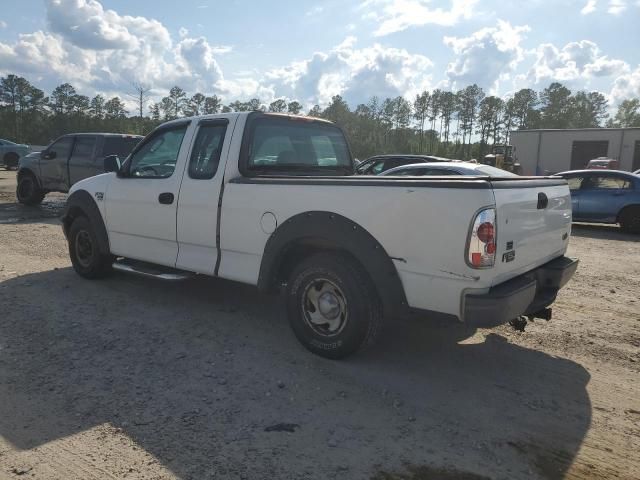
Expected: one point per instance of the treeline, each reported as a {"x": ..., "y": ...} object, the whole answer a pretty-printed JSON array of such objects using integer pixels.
[{"x": 462, "y": 124}]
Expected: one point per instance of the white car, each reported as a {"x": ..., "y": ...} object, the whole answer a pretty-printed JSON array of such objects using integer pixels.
[
  {"x": 273, "y": 201},
  {"x": 448, "y": 168}
]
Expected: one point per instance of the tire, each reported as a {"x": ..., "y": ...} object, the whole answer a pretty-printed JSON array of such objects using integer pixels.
[
  {"x": 630, "y": 220},
  {"x": 333, "y": 287},
  {"x": 84, "y": 251},
  {"x": 11, "y": 160},
  {"x": 28, "y": 190}
]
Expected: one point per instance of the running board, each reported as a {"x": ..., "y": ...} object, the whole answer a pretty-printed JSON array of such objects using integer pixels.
[{"x": 153, "y": 271}]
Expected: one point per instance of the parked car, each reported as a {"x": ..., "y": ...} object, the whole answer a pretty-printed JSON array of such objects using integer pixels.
[
  {"x": 380, "y": 163},
  {"x": 603, "y": 163},
  {"x": 11, "y": 152},
  {"x": 605, "y": 196},
  {"x": 272, "y": 200},
  {"x": 68, "y": 160},
  {"x": 449, "y": 168}
]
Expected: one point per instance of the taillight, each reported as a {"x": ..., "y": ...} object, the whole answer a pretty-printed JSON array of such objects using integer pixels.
[{"x": 481, "y": 245}]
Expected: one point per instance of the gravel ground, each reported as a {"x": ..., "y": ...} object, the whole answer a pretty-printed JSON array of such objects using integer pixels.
[{"x": 135, "y": 378}]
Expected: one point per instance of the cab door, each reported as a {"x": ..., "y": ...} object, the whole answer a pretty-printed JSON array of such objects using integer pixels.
[
  {"x": 53, "y": 164},
  {"x": 197, "y": 229},
  {"x": 141, "y": 201},
  {"x": 575, "y": 182},
  {"x": 602, "y": 196},
  {"x": 81, "y": 163}
]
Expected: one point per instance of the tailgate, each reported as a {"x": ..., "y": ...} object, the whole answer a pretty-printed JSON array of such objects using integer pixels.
[{"x": 533, "y": 224}]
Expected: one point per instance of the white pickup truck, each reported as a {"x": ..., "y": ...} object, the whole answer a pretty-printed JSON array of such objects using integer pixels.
[{"x": 273, "y": 201}]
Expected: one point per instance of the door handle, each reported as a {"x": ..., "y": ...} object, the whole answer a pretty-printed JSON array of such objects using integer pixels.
[
  {"x": 166, "y": 198},
  {"x": 543, "y": 201}
]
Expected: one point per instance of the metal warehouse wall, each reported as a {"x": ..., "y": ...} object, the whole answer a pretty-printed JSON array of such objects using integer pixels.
[{"x": 549, "y": 151}]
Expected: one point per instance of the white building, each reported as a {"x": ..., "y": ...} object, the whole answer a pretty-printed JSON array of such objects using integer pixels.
[{"x": 542, "y": 152}]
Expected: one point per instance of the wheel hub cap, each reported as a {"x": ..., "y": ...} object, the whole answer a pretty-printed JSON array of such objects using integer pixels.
[
  {"x": 324, "y": 307},
  {"x": 328, "y": 305}
]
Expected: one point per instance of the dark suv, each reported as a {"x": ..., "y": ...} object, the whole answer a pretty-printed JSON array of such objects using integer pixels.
[{"x": 68, "y": 160}]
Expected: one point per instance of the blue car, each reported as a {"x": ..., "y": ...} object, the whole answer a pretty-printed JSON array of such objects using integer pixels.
[{"x": 605, "y": 196}]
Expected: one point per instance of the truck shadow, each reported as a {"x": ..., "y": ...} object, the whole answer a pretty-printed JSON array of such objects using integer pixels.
[
  {"x": 602, "y": 231},
  {"x": 194, "y": 372},
  {"x": 51, "y": 207}
]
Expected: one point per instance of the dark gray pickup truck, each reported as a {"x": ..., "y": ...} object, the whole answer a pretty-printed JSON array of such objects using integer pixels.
[{"x": 68, "y": 160}]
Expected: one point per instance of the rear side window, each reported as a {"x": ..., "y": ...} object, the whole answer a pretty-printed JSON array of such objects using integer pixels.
[
  {"x": 605, "y": 182},
  {"x": 84, "y": 147},
  {"x": 281, "y": 144},
  {"x": 120, "y": 146},
  {"x": 205, "y": 155}
]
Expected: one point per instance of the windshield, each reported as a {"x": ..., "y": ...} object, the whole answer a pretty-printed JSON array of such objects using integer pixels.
[
  {"x": 282, "y": 144},
  {"x": 494, "y": 172}
]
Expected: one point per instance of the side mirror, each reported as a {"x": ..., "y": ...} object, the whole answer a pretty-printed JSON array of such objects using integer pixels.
[
  {"x": 111, "y": 163},
  {"x": 49, "y": 155}
]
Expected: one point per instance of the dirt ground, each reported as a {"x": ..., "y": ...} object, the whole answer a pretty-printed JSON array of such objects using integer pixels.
[{"x": 134, "y": 378}]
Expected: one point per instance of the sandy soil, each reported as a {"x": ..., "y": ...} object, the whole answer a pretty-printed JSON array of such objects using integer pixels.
[{"x": 134, "y": 378}]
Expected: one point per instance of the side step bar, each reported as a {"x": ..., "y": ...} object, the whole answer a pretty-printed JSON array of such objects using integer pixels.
[{"x": 153, "y": 271}]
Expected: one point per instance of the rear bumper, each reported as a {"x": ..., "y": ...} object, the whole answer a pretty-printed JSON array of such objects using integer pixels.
[{"x": 523, "y": 295}]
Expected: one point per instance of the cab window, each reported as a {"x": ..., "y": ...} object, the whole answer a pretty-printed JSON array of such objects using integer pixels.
[
  {"x": 59, "y": 149},
  {"x": 157, "y": 157}
]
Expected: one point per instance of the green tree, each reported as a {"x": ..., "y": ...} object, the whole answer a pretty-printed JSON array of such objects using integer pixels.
[
  {"x": 556, "y": 106},
  {"x": 211, "y": 105},
  {"x": 294, "y": 107},
  {"x": 178, "y": 99},
  {"x": 628, "y": 114},
  {"x": 195, "y": 105},
  {"x": 62, "y": 99},
  {"x": 421, "y": 106},
  {"x": 96, "y": 107},
  {"x": 114, "y": 108},
  {"x": 278, "y": 106},
  {"x": 523, "y": 108}
]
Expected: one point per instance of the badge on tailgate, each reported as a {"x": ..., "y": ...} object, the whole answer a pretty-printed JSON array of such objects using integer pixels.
[{"x": 510, "y": 254}]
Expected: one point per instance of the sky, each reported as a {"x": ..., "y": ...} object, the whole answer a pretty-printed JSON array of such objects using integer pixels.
[{"x": 310, "y": 50}]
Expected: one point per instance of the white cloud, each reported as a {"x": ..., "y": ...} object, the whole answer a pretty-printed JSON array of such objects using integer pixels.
[
  {"x": 355, "y": 73},
  {"x": 626, "y": 86},
  {"x": 101, "y": 50},
  {"x": 616, "y": 7},
  {"x": 575, "y": 62},
  {"x": 590, "y": 7},
  {"x": 317, "y": 10},
  {"x": 486, "y": 56},
  {"x": 3, "y": 24},
  {"x": 397, "y": 15}
]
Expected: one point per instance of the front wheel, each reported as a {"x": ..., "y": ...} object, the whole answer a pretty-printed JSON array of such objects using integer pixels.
[
  {"x": 28, "y": 191},
  {"x": 84, "y": 251},
  {"x": 630, "y": 220},
  {"x": 333, "y": 307}
]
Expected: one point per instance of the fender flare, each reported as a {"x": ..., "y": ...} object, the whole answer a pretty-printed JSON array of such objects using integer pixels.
[
  {"x": 81, "y": 203},
  {"x": 321, "y": 230},
  {"x": 28, "y": 171}
]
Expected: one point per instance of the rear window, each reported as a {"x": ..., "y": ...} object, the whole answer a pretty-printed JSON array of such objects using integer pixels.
[
  {"x": 120, "y": 146},
  {"x": 281, "y": 144}
]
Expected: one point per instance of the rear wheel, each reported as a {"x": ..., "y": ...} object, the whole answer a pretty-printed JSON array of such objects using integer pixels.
[
  {"x": 333, "y": 307},
  {"x": 84, "y": 251},
  {"x": 28, "y": 190},
  {"x": 630, "y": 220},
  {"x": 11, "y": 160}
]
